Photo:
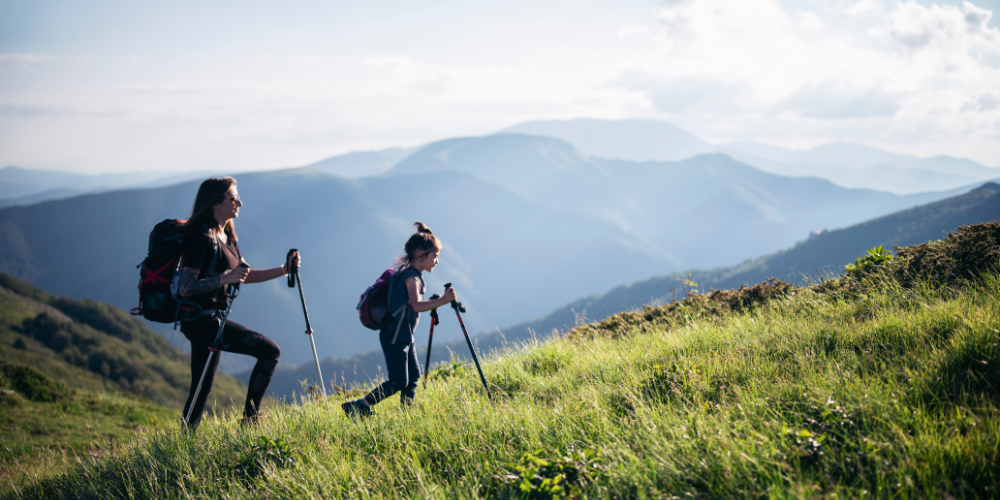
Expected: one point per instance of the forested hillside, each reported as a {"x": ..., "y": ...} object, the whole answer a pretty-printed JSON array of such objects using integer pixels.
[
  {"x": 78, "y": 372},
  {"x": 89, "y": 345}
]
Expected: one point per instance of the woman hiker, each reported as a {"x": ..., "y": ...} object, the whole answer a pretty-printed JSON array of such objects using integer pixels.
[
  {"x": 406, "y": 294},
  {"x": 211, "y": 238}
]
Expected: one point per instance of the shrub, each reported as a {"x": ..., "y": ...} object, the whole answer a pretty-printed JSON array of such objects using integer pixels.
[{"x": 31, "y": 383}]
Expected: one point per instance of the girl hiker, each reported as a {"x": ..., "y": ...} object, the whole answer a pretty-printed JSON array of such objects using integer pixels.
[
  {"x": 406, "y": 293},
  {"x": 211, "y": 263}
]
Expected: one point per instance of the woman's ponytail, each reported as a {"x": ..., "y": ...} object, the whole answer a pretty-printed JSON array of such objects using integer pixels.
[{"x": 422, "y": 242}]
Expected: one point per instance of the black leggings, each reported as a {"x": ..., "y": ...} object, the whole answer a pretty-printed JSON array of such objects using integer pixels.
[
  {"x": 239, "y": 339},
  {"x": 404, "y": 374}
]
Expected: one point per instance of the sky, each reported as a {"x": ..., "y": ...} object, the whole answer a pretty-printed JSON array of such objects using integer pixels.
[{"x": 114, "y": 86}]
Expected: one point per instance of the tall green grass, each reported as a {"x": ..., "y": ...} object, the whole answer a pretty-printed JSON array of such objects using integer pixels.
[{"x": 888, "y": 394}]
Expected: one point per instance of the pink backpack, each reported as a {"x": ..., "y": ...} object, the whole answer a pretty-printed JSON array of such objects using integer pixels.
[{"x": 373, "y": 307}]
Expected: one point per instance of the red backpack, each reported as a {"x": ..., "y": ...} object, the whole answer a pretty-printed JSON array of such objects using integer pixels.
[{"x": 158, "y": 276}]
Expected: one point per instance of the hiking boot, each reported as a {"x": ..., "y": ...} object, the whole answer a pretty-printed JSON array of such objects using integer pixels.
[{"x": 357, "y": 408}]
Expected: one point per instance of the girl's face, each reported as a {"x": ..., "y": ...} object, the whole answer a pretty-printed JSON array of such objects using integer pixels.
[{"x": 427, "y": 261}]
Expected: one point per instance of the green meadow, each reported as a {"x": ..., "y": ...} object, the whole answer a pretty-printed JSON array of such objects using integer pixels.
[{"x": 881, "y": 383}]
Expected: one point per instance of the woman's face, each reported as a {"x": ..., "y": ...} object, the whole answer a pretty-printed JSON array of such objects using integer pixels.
[{"x": 229, "y": 208}]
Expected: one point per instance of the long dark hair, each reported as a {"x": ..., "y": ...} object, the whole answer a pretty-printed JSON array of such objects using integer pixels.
[
  {"x": 211, "y": 192},
  {"x": 422, "y": 242}
]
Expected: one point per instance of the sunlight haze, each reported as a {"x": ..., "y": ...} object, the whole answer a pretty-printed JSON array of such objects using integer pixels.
[{"x": 119, "y": 86}]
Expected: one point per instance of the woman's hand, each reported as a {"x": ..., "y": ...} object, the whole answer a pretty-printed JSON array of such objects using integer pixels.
[
  {"x": 294, "y": 260},
  {"x": 238, "y": 275}
]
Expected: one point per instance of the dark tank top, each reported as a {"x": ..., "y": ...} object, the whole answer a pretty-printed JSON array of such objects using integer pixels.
[{"x": 198, "y": 255}]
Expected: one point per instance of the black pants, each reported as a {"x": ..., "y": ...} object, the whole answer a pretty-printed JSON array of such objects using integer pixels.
[
  {"x": 241, "y": 340},
  {"x": 404, "y": 373}
]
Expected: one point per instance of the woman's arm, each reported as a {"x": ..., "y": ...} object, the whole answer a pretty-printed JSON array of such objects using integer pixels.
[
  {"x": 189, "y": 284},
  {"x": 261, "y": 275},
  {"x": 426, "y": 305}
]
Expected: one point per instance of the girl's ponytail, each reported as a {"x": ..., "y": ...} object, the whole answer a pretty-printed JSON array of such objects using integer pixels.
[
  {"x": 422, "y": 228},
  {"x": 422, "y": 242}
]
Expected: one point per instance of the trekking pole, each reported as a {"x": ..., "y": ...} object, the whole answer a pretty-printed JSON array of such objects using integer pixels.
[
  {"x": 430, "y": 338},
  {"x": 292, "y": 278},
  {"x": 234, "y": 290},
  {"x": 459, "y": 309}
]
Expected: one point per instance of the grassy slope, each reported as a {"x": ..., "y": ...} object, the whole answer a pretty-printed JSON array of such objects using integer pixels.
[
  {"x": 881, "y": 384},
  {"x": 67, "y": 419}
]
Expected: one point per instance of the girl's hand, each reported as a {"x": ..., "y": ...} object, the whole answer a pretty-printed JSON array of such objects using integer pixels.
[
  {"x": 449, "y": 295},
  {"x": 238, "y": 275}
]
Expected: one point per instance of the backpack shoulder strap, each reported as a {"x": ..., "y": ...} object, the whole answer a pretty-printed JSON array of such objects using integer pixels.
[
  {"x": 397, "y": 278},
  {"x": 406, "y": 273},
  {"x": 216, "y": 250}
]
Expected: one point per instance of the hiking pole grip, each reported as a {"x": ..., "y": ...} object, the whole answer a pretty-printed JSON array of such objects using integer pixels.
[
  {"x": 292, "y": 269},
  {"x": 456, "y": 305}
]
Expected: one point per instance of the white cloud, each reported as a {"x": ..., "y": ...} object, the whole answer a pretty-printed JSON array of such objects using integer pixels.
[
  {"x": 943, "y": 27},
  {"x": 811, "y": 20},
  {"x": 627, "y": 31},
  {"x": 24, "y": 58},
  {"x": 728, "y": 70},
  {"x": 863, "y": 7},
  {"x": 985, "y": 102},
  {"x": 831, "y": 100},
  {"x": 299, "y": 88}
]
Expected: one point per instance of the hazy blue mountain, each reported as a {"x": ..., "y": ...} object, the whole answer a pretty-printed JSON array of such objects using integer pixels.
[
  {"x": 17, "y": 182},
  {"x": 349, "y": 231},
  {"x": 362, "y": 163},
  {"x": 21, "y": 186},
  {"x": 546, "y": 170},
  {"x": 825, "y": 253},
  {"x": 706, "y": 211},
  {"x": 854, "y": 155},
  {"x": 900, "y": 174},
  {"x": 52, "y": 194},
  {"x": 897, "y": 180},
  {"x": 845, "y": 164},
  {"x": 636, "y": 140}
]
